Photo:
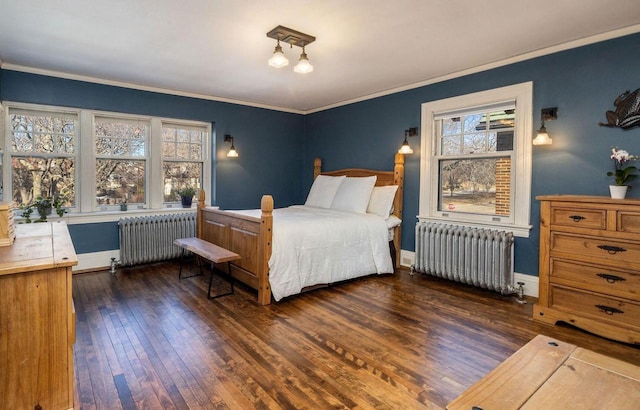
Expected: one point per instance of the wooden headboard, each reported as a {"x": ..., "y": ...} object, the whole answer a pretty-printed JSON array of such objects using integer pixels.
[{"x": 395, "y": 177}]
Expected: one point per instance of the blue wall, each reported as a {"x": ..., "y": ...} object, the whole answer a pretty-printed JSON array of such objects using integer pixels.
[
  {"x": 259, "y": 136},
  {"x": 582, "y": 83}
]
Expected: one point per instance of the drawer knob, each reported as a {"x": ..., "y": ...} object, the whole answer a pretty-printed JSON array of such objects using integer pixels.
[
  {"x": 612, "y": 249},
  {"x": 610, "y": 278},
  {"x": 577, "y": 218},
  {"x": 608, "y": 309}
]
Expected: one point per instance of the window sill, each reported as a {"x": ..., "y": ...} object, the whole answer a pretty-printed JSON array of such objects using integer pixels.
[
  {"x": 521, "y": 231},
  {"x": 107, "y": 216}
]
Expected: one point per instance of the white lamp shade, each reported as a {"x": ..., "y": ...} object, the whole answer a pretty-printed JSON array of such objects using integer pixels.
[
  {"x": 232, "y": 153},
  {"x": 405, "y": 149},
  {"x": 278, "y": 58},
  {"x": 303, "y": 66},
  {"x": 542, "y": 139}
]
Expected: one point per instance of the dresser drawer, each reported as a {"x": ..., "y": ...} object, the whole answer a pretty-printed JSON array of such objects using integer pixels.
[
  {"x": 600, "y": 250},
  {"x": 605, "y": 309},
  {"x": 627, "y": 221},
  {"x": 597, "y": 278},
  {"x": 579, "y": 218}
]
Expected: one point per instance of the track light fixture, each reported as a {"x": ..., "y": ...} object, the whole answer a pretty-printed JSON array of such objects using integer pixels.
[{"x": 293, "y": 38}]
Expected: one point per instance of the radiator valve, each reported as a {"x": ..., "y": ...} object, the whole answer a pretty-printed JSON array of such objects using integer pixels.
[
  {"x": 114, "y": 263},
  {"x": 520, "y": 298}
]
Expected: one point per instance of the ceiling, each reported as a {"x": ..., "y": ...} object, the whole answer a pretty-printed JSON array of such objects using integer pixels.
[{"x": 218, "y": 49}]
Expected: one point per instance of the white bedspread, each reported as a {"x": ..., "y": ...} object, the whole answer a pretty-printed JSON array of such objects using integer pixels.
[{"x": 314, "y": 246}]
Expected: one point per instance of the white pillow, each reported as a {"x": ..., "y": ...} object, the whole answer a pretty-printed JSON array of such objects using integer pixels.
[
  {"x": 381, "y": 202},
  {"x": 354, "y": 194},
  {"x": 323, "y": 191}
]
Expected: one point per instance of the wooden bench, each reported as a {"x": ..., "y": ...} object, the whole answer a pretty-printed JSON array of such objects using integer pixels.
[{"x": 210, "y": 252}]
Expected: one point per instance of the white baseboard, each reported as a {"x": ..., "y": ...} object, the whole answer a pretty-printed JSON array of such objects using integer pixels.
[
  {"x": 407, "y": 259},
  {"x": 96, "y": 260}
]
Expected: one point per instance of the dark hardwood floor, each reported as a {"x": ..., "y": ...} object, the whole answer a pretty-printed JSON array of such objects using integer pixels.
[{"x": 147, "y": 340}]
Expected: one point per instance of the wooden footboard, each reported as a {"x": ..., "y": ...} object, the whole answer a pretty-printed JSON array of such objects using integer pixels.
[{"x": 247, "y": 236}]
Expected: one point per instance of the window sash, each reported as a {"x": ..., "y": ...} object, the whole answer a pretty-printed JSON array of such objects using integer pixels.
[{"x": 520, "y": 96}]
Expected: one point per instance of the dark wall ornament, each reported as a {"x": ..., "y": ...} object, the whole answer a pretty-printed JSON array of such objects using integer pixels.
[{"x": 627, "y": 113}]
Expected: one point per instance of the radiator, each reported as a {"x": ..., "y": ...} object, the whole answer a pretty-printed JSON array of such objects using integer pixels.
[
  {"x": 475, "y": 256},
  {"x": 145, "y": 239}
]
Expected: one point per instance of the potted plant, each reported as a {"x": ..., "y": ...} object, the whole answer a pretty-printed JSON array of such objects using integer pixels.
[
  {"x": 44, "y": 207},
  {"x": 623, "y": 173},
  {"x": 186, "y": 195}
]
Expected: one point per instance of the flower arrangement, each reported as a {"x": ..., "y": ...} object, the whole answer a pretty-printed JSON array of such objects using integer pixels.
[{"x": 623, "y": 173}]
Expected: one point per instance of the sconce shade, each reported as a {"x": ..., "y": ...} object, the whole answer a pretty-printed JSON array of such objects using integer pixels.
[
  {"x": 232, "y": 151},
  {"x": 278, "y": 58},
  {"x": 405, "y": 148},
  {"x": 543, "y": 137},
  {"x": 303, "y": 66}
]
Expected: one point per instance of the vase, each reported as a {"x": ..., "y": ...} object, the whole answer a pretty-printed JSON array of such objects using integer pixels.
[
  {"x": 618, "y": 191},
  {"x": 186, "y": 201}
]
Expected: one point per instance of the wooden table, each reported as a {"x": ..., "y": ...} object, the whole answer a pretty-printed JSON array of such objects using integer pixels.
[
  {"x": 37, "y": 319},
  {"x": 549, "y": 374},
  {"x": 210, "y": 252}
]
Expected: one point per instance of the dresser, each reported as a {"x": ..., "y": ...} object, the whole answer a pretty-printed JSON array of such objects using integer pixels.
[
  {"x": 589, "y": 273},
  {"x": 37, "y": 319}
]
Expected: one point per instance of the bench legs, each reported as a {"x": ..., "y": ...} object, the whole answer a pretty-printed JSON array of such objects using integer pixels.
[
  {"x": 213, "y": 268},
  {"x": 181, "y": 262}
]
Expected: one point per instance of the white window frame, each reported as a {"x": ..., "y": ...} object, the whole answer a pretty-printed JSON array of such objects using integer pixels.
[
  {"x": 518, "y": 221},
  {"x": 86, "y": 209}
]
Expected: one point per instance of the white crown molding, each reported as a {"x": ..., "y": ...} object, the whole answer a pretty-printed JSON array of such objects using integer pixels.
[
  {"x": 522, "y": 57},
  {"x": 96, "y": 80}
]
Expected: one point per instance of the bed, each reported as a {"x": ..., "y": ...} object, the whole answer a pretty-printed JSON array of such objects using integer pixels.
[{"x": 250, "y": 233}]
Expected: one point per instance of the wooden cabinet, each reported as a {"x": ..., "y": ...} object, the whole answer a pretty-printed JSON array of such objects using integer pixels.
[
  {"x": 37, "y": 320},
  {"x": 590, "y": 265}
]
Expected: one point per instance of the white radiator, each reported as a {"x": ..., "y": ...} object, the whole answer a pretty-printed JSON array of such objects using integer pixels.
[
  {"x": 145, "y": 239},
  {"x": 475, "y": 256}
]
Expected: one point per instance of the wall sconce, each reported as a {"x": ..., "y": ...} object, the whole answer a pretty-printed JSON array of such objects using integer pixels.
[
  {"x": 232, "y": 151},
  {"x": 294, "y": 38},
  {"x": 406, "y": 148},
  {"x": 542, "y": 137}
]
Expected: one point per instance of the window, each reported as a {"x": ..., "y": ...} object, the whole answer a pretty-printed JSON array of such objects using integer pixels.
[
  {"x": 43, "y": 151},
  {"x": 477, "y": 159},
  {"x": 121, "y": 160},
  {"x": 98, "y": 160},
  {"x": 182, "y": 158}
]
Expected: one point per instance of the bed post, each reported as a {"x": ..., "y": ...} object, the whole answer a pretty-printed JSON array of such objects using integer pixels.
[
  {"x": 317, "y": 168},
  {"x": 199, "y": 218},
  {"x": 398, "y": 179},
  {"x": 264, "y": 249}
]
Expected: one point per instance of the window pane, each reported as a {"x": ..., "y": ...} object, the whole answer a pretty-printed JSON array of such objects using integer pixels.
[
  {"x": 46, "y": 177},
  {"x": 475, "y": 143},
  {"x": 451, "y": 145},
  {"x": 119, "y": 181},
  {"x": 450, "y": 126},
  {"x": 40, "y": 133},
  {"x": 120, "y": 138},
  {"x": 179, "y": 175},
  {"x": 183, "y": 144},
  {"x": 479, "y": 186}
]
